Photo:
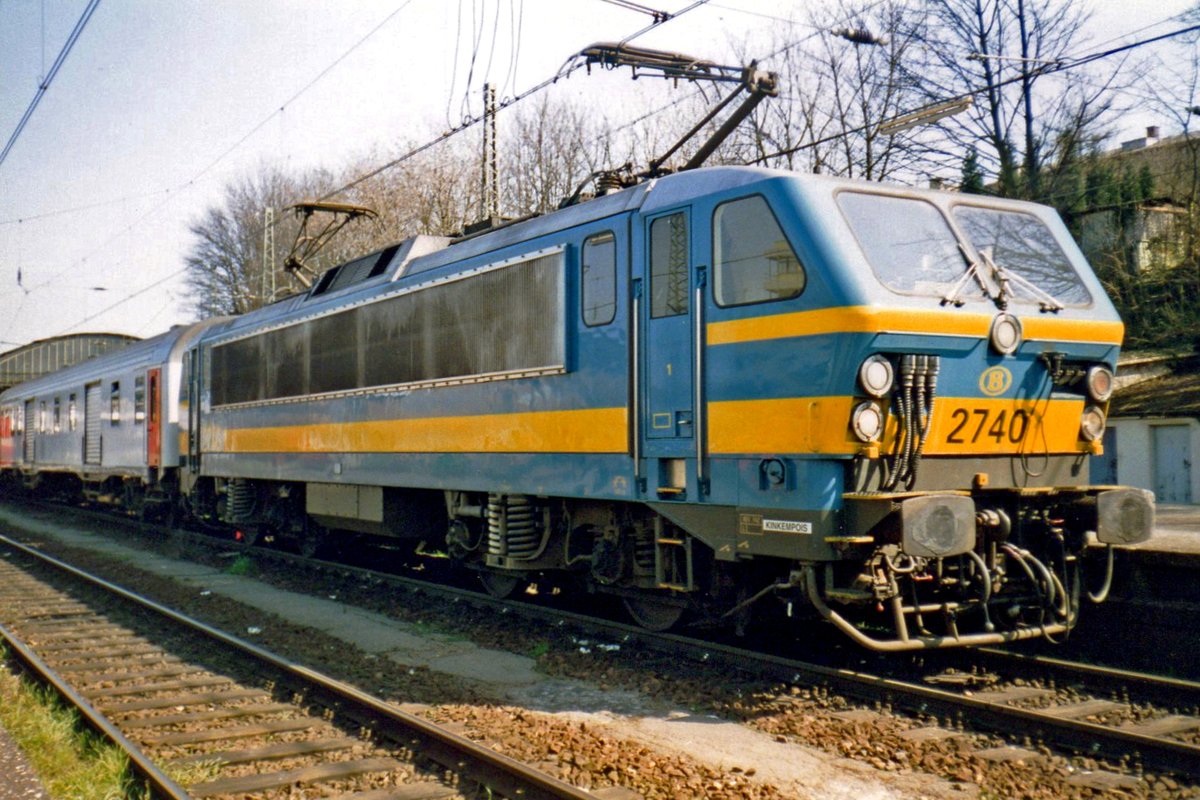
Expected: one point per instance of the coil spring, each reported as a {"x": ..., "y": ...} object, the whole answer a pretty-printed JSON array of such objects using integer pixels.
[
  {"x": 644, "y": 550},
  {"x": 239, "y": 501},
  {"x": 514, "y": 528}
]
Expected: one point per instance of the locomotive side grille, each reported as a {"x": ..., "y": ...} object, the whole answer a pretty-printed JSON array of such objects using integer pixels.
[{"x": 505, "y": 320}]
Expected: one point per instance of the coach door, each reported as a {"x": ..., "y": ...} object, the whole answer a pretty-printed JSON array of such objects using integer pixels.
[
  {"x": 191, "y": 412},
  {"x": 30, "y": 427},
  {"x": 668, "y": 385},
  {"x": 153, "y": 417},
  {"x": 91, "y": 424}
]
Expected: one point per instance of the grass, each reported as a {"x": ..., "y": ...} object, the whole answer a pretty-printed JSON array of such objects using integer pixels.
[
  {"x": 242, "y": 565},
  {"x": 195, "y": 772},
  {"x": 72, "y": 762}
]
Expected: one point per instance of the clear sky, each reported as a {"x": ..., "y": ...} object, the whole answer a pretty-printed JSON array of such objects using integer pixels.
[{"x": 162, "y": 102}]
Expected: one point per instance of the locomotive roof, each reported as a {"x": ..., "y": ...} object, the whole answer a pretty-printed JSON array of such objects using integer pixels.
[
  {"x": 420, "y": 255},
  {"x": 645, "y": 197}
]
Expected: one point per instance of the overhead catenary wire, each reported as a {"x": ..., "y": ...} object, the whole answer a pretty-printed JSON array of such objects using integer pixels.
[
  {"x": 1049, "y": 69},
  {"x": 173, "y": 192},
  {"x": 471, "y": 122},
  {"x": 518, "y": 28},
  {"x": 1070, "y": 65},
  {"x": 44, "y": 85},
  {"x": 629, "y": 5},
  {"x": 565, "y": 71}
]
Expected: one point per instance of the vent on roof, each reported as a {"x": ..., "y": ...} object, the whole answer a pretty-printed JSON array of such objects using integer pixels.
[{"x": 356, "y": 271}]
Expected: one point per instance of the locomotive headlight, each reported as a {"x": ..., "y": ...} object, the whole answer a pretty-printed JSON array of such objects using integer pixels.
[
  {"x": 867, "y": 421},
  {"x": 1091, "y": 427},
  {"x": 876, "y": 375},
  {"x": 1006, "y": 334},
  {"x": 1100, "y": 383}
]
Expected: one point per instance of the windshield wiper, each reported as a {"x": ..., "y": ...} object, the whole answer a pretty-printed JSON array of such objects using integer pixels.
[
  {"x": 1001, "y": 278},
  {"x": 973, "y": 271},
  {"x": 1045, "y": 300}
]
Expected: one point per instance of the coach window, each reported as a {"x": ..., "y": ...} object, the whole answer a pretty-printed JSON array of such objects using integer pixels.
[
  {"x": 753, "y": 261},
  {"x": 599, "y": 279},
  {"x": 669, "y": 266},
  {"x": 41, "y": 421},
  {"x": 139, "y": 399},
  {"x": 72, "y": 415},
  {"x": 57, "y": 414},
  {"x": 114, "y": 403}
]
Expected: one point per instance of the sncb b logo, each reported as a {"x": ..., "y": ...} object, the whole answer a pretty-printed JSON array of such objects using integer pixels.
[{"x": 995, "y": 381}]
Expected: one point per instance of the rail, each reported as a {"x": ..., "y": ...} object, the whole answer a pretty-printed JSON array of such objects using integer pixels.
[{"x": 501, "y": 774}]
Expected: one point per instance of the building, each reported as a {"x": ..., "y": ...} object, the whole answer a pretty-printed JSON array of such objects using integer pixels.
[
  {"x": 1151, "y": 232},
  {"x": 1153, "y": 435},
  {"x": 47, "y": 355}
]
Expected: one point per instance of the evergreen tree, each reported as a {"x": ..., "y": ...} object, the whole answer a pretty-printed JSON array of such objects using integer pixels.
[{"x": 972, "y": 175}]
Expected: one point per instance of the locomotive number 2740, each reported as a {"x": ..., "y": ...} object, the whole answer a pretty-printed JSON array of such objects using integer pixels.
[{"x": 972, "y": 425}]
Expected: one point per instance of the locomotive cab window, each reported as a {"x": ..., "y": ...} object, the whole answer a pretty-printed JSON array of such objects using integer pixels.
[
  {"x": 598, "y": 279},
  {"x": 908, "y": 243},
  {"x": 669, "y": 266},
  {"x": 753, "y": 262},
  {"x": 1022, "y": 244}
]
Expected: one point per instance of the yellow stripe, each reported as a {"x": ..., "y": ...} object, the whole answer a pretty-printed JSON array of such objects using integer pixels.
[
  {"x": 821, "y": 425},
  {"x": 870, "y": 319},
  {"x": 818, "y": 425},
  {"x": 594, "y": 430},
  {"x": 791, "y": 425}
]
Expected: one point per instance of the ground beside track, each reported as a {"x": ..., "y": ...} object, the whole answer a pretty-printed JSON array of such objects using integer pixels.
[{"x": 494, "y": 693}]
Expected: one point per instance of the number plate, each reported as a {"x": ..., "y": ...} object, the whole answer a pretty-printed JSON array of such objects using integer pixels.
[
  {"x": 986, "y": 427},
  {"x": 995, "y": 426}
]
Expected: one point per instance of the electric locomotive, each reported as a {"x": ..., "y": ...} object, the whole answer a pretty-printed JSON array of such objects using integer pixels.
[{"x": 719, "y": 393}]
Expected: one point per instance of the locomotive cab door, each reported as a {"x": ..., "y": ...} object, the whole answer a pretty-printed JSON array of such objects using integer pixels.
[
  {"x": 190, "y": 411},
  {"x": 666, "y": 344}
]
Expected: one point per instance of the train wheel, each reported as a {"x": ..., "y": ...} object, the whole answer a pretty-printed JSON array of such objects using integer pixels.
[
  {"x": 654, "y": 615},
  {"x": 500, "y": 586}
]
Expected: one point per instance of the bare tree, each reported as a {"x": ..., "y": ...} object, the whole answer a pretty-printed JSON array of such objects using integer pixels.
[
  {"x": 839, "y": 89},
  {"x": 1173, "y": 90},
  {"x": 546, "y": 150},
  {"x": 226, "y": 263},
  {"x": 1027, "y": 131}
]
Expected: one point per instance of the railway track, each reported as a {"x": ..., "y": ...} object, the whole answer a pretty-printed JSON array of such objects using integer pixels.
[
  {"x": 1130, "y": 721},
  {"x": 193, "y": 705}
]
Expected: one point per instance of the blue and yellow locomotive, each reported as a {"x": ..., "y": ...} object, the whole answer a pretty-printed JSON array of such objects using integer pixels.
[{"x": 715, "y": 393}]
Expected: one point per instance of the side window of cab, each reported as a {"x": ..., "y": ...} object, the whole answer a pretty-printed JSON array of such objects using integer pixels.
[
  {"x": 598, "y": 279},
  {"x": 753, "y": 262}
]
